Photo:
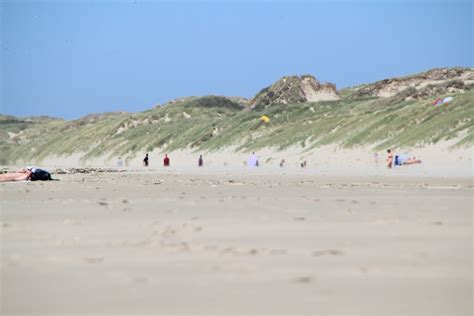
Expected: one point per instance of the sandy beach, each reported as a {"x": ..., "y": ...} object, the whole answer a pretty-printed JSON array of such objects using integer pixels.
[
  {"x": 250, "y": 243},
  {"x": 236, "y": 158}
]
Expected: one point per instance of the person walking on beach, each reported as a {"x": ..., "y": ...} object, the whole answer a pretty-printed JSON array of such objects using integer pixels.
[
  {"x": 200, "y": 161},
  {"x": 145, "y": 160},
  {"x": 389, "y": 158},
  {"x": 253, "y": 160},
  {"x": 166, "y": 161}
]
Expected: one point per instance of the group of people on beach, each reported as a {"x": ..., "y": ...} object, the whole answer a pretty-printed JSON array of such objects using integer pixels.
[
  {"x": 34, "y": 173},
  {"x": 166, "y": 161},
  {"x": 392, "y": 160}
]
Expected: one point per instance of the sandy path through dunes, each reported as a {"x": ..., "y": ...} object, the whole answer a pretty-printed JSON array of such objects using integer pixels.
[{"x": 148, "y": 243}]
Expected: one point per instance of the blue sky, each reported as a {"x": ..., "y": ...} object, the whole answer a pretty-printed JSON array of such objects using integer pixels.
[{"x": 71, "y": 58}]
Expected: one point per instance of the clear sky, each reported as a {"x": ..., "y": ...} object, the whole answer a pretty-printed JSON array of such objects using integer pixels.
[{"x": 71, "y": 58}]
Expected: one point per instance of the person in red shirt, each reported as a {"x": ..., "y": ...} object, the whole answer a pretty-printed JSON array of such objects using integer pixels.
[{"x": 166, "y": 161}]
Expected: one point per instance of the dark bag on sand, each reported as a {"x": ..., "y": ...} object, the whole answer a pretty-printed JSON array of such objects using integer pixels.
[{"x": 40, "y": 174}]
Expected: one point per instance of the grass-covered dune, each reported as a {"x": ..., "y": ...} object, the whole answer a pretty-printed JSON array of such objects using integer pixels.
[{"x": 212, "y": 123}]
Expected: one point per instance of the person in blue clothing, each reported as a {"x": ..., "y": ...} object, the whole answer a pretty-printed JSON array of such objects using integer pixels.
[
  {"x": 403, "y": 159},
  {"x": 400, "y": 159}
]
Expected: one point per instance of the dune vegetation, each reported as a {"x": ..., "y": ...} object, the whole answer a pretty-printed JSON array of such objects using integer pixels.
[{"x": 212, "y": 123}]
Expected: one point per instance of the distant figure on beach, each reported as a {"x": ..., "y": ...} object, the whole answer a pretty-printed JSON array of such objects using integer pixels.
[
  {"x": 389, "y": 158},
  {"x": 119, "y": 162},
  {"x": 200, "y": 161},
  {"x": 145, "y": 160},
  {"x": 303, "y": 164},
  {"x": 166, "y": 161},
  {"x": 253, "y": 160},
  {"x": 29, "y": 173},
  {"x": 376, "y": 158},
  {"x": 282, "y": 162},
  {"x": 403, "y": 159},
  {"x": 400, "y": 159}
]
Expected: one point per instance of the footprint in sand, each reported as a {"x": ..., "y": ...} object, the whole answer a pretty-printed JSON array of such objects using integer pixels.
[
  {"x": 303, "y": 279},
  {"x": 168, "y": 232},
  {"x": 253, "y": 252},
  {"x": 327, "y": 252},
  {"x": 94, "y": 259}
]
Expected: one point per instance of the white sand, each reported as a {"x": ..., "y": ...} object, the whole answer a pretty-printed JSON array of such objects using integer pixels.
[
  {"x": 343, "y": 236},
  {"x": 163, "y": 243}
]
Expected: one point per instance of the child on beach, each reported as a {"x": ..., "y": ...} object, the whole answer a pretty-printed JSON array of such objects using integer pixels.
[{"x": 166, "y": 161}]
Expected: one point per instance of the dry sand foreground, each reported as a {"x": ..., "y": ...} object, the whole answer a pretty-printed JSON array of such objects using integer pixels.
[{"x": 162, "y": 244}]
